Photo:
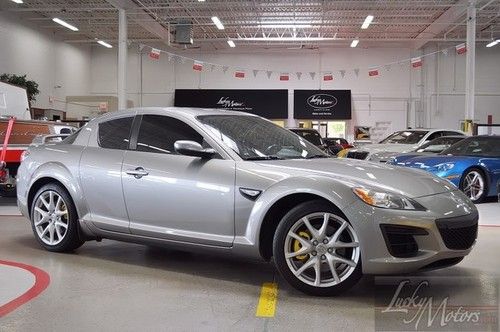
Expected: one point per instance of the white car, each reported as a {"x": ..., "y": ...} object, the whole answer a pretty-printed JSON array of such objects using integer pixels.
[{"x": 399, "y": 142}]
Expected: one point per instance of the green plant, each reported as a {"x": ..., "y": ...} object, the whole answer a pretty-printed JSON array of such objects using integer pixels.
[{"x": 21, "y": 81}]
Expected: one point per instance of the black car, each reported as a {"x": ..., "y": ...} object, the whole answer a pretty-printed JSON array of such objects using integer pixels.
[{"x": 314, "y": 137}]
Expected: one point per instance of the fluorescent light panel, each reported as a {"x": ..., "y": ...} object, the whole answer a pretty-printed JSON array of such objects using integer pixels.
[
  {"x": 354, "y": 43},
  {"x": 367, "y": 22},
  {"x": 217, "y": 23},
  {"x": 231, "y": 43},
  {"x": 65, "y": 24},
  {"x": 103, "y": 43},
  {"x": 283, "y": 38},
  {"x": 17, "y": 1},
  {"x": 493, "y": 43},
  {"x": 285, "y": 26}
]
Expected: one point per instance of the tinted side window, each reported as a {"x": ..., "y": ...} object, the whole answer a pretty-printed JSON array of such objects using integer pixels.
[
  {"x": 115, "y": 134},
  {"x": 435, "y": 135},
  {"x": 159, "y": 133},
  {"x": 452, "y": 133}
]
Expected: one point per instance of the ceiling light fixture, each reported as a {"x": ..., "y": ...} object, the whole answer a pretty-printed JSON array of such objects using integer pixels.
[
  {"x": 217, "y": 23},
  {"x": 285, "y": 26},
  {"x": 231, "y": 43},
  {"x": 65, "y": 24},
  {"x": 367, "y": 22},
  {"x": 493, "y": 43},
  {"x": 354, "y": 43},
  {"x": 17, "y": 1},
  {"x": 294, "y": 39},
  {"x": 103, "y": 43}
]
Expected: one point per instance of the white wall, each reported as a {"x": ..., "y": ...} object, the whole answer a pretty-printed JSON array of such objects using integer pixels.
[
  {"x": 445, "y": 86},
  {"x": 27, "y": 49},
  {"x": 378, "y": 99}
]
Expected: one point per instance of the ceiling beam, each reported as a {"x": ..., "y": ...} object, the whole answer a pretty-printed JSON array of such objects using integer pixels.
[
  {"x": 142, "y": 18},
  {"x": 452, "y": 14}
]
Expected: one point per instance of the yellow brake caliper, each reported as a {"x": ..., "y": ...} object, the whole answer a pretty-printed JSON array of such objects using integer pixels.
[{"x": 297, "y": 245}]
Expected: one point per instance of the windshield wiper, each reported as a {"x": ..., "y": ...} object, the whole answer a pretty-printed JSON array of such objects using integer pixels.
[
  {"x": 264, "y": 158},
  {"x": 318, "y": 156}
]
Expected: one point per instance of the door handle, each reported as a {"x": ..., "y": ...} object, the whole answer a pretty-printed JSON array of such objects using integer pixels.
[{"x": 138, "y": 172}]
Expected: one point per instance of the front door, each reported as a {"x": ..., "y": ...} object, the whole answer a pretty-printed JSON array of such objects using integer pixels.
[{"x": 173, "y": 196}]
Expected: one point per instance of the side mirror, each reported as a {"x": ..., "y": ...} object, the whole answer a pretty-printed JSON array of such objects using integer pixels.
[{"x": 193, "y": 149}]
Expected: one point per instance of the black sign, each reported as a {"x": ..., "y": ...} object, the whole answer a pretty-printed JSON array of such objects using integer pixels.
[
  {"x": 322, "y": 104},
  {"x": 271, "y": 104}
]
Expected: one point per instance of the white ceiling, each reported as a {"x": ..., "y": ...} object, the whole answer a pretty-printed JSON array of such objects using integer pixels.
[{"x": 332, "y": 23}]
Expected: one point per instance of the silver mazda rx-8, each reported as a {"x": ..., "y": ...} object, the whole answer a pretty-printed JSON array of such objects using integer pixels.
[{"x": 222, "y": 181}]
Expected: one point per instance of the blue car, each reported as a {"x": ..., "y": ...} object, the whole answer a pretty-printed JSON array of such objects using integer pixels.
[{"x": 473, "y": 165}]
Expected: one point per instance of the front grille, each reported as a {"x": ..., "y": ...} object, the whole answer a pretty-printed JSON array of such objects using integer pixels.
[
  {"x": 458, "y": 233},
  {"x": 400, "y": 240},
  {"x": 357, "y": 154}
]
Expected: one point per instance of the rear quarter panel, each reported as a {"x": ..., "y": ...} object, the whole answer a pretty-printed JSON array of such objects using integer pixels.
[{"x": 56, "y": 161}]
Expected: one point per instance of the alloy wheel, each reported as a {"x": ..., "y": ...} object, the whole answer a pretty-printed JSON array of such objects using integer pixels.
[
  {"x": 473, "y": 185},
  {"x": 50, "y": 217},
  {"x": 322, "y": 249}
]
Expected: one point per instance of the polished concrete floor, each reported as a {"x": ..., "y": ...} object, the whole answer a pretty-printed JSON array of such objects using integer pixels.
[{"x": 113, "y": 286}]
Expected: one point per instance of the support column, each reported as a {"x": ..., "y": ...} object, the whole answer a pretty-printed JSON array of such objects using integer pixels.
[
  {"x": 470, "y": 68},
  {"x": 122, "y": 59}
]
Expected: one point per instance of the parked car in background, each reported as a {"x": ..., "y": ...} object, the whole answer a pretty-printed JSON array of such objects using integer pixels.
[
  {"x": 260, "y": 192},
  {"x": 23, "y": 133},
  {"x": 435, "y": 146},
  {"x": 338, "y": 140},
  {"x": 314, "y": 137},
  {"x": 399, "y": 142},
  {"x": 472, "y": 164}
]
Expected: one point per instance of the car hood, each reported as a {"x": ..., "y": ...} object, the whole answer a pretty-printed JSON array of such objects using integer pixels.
[
  {"x": 353, "y": 172},
  {"x": 397, "y": 148}
]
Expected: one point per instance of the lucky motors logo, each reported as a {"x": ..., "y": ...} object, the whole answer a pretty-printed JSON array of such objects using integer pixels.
[
  {"x": 227, "y": 102},
  {"x": 322, "y": 100}
]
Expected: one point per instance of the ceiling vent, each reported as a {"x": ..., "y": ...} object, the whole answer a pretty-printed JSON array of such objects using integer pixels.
[{"x": 184, "y": 33}]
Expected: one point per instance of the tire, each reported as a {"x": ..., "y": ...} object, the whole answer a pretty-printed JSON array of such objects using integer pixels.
[
  {"x": 317, "y": 251},
  {"x": 479, "y": 189},
  {"x": 54, "y": 219}
]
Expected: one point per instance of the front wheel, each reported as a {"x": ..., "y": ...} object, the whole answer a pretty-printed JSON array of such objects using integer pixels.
[
  {"x": 473, "y": 184},
  {"x": 54, "y": 219},
  {"x": 316, "y": 250}
]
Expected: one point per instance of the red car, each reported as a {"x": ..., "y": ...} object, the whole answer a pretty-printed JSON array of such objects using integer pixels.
[{"x": 338, "y": 140}]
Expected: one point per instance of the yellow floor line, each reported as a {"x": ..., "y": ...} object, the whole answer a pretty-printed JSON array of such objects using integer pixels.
[{"x": 267, "y": 300}]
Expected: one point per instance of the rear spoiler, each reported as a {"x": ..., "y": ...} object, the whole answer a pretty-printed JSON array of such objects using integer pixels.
[{"x": 44, "y": 139}]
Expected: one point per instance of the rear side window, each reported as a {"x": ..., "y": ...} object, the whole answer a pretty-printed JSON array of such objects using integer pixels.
[
  {"x": 115, "y": 134},
  {"x": 158, "y": 134}
]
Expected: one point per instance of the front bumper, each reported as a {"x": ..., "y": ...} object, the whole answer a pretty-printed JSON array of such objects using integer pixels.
[{"x": 435, "y": 246}]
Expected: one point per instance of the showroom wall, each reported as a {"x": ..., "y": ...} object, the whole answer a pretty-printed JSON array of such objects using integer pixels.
[
  {"x": 380, "y": 100},
  {"x": 444, "y": 90},
  {"x": 59, "y": 68},
  {"x": 399, "y": 97}
]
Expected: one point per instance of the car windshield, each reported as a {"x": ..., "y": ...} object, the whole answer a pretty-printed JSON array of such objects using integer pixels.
[
  {"x": 254, "y": 138},
  {"x": 312, "y": 136},
  {"x": 475, "y": 146},
  {"x": 438, "y": 144},
  {"x": 405, "y": 137}
]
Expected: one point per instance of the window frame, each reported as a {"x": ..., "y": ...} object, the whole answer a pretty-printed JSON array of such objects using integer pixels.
[
  {"x": 136, "y": 126},
  {"x": 98, "y": 141}
]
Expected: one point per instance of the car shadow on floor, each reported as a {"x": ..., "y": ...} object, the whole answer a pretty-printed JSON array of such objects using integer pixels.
[{"x": 102, "y": 255}]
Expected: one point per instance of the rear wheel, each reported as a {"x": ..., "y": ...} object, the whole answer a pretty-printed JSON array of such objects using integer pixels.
[
  {"x": 54, "y": 219},
  {"x": 473, "y": 184},
  {"x": 316, "y": 250}
]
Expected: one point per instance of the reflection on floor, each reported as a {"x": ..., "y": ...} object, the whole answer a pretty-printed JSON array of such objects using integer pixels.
[{"x": 117, "y": 286}]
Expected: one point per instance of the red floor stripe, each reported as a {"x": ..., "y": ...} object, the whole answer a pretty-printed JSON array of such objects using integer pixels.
[{"x": 42, "y": 280}]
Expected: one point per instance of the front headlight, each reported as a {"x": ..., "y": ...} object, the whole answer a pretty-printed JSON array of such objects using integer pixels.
[
  {"x": 444, "y": 167},
  {"x": 387, "y": 200}
]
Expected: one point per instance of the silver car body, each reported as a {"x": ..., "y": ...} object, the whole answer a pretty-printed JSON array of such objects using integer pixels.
[
  {"x": 201, "y": 204},
  {"x": 382, "y": 152}
]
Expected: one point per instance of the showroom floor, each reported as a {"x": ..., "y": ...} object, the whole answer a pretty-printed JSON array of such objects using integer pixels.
[{"x": 117, "y": 286}]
